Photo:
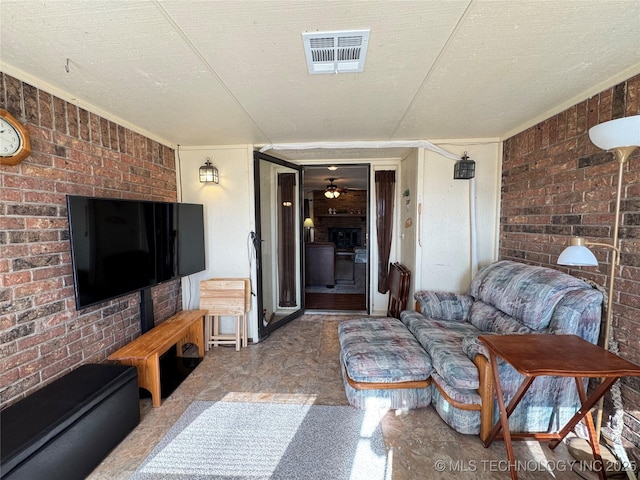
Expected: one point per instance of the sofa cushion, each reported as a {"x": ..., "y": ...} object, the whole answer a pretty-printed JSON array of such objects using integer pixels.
[
  {"x": 444, "y": 305},
  {"x": 442, "y": 340},
  {"x": 489, "y": 319},
  {"x": 381, "y": 350},
  {"x": 527, "y": 293}
]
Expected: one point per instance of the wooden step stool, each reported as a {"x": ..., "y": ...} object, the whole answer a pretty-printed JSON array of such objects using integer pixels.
[{"x": 225, "y": 297}]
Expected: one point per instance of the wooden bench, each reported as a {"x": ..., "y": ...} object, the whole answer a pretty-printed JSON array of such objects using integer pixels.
[{"x": 145, "y": 351}]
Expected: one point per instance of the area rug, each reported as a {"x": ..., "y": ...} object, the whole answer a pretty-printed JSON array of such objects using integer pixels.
[{"x": 217, "y": 440}]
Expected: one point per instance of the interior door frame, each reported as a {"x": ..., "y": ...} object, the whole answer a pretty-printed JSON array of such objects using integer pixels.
[
  {"x": 263, "y": 331},
  {"x": 369, "y": 213}
]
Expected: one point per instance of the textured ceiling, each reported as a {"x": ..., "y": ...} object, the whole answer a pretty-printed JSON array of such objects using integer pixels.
[{"x": 234, "y": 72}]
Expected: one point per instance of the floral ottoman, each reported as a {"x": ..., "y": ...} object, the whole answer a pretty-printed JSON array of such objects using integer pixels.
[{"x": 383, "y": 365}]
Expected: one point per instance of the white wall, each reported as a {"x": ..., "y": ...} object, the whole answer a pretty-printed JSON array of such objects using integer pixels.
[
  {"x": 446, "y": 234},
  {"x": 229, "y": 218},
  {"x": 408, "y": 211}
]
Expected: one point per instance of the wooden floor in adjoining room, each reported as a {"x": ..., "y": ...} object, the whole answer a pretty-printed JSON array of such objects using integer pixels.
[{"x": 341, "y": 301}]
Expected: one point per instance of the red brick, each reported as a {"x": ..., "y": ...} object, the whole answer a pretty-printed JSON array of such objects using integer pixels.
[
  {"x": 46, "y": 109},
  {"x": 12, "y": 223},
  {"x": 8, "y": 377},
  {"x": 17, "y": 278},
  {"x": 58, "y": 369},
  {"x": 52, "y": 247}
]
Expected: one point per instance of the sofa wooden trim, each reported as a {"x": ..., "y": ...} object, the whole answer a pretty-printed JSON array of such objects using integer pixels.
[
  {"x": 144, "y": 352},
  {"x": 487, "y": 394},
  {"x": 461, "y": 406},
  {"x": 385, "y": 385}
]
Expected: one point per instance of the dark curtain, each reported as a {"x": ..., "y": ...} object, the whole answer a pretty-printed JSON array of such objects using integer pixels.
[
  {"x": 287, "y": 240},
  {"x": 385, "y": 192}
]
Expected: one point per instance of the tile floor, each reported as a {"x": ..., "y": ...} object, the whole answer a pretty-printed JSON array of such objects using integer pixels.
[{"x": 299, "y": 363}]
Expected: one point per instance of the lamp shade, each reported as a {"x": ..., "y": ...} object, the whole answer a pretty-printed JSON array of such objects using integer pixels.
[
  {"x": 622, "y": 132},
  {"x": 577, "y": 257},
  {"x": 308, "y": 223}
]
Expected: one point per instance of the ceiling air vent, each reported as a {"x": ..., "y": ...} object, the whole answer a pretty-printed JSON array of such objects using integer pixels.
[{"x": 336, "y": 52}]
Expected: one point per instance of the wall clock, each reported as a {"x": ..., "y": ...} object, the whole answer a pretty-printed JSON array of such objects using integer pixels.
[{"x": 14, "y": 140}]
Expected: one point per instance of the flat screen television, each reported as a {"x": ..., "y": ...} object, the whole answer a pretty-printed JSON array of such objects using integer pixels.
[{"x": 122, "y": 246}]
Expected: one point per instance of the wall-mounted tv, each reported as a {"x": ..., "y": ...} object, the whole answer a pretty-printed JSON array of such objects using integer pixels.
[{"x": 121, "y": 246}]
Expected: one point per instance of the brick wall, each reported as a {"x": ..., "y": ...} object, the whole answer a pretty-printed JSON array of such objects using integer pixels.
[
  {"x": 74, "y": 151},
  {"x": 347, "y": 207},
  {"x": 555, "y": 184}
]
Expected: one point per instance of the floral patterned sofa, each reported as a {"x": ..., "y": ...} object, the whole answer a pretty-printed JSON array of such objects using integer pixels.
[{"x": 505, "y": 297}]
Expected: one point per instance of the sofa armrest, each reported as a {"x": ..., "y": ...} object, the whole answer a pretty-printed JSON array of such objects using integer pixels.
[
  {"x": 578, "y": 313},
  {"x": 473, "y": 347},
  {"x": 444, "y": 305}
]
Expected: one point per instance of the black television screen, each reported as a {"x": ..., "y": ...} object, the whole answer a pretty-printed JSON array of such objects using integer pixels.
[
  {"x": 121, "y": 246},
  {"x": 190, "y": 238}
]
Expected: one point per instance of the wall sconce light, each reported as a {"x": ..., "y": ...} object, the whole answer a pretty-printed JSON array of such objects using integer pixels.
[
  {"x": 332, "y": 190},
  {"x": 209, "y": 173},
  {"x": 464, "y": 168}
]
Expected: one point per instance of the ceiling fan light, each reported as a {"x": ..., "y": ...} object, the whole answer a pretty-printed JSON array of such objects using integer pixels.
[{"x": 332, "y": 190}]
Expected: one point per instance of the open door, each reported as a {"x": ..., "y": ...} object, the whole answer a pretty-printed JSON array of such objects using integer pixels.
[{"x": 278, "y": 241}]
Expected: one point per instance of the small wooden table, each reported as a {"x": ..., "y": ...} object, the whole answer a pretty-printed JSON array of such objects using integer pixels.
[
  {"x": 559, "y": 356},
  {"x": 144, "y": 352}
]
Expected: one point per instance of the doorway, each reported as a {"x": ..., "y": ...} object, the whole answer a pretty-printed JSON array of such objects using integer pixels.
[{"x": 336, "y": 238}]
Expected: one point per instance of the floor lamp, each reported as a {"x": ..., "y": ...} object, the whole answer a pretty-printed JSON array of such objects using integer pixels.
[
  {"x": 308, "y": 225},
  {"x": 620, "y": 136}
]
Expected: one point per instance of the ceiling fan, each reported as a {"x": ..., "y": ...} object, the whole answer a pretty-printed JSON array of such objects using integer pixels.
[{"x": 332, "y": 190}]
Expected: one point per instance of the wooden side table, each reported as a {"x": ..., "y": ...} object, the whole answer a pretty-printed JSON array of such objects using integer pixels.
[
  {"x": 225, "y": 297},
  {"x": 553, "y": 355}
]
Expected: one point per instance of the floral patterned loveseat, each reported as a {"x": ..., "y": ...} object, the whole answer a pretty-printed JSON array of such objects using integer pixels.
[{"x": 505, "y": 297}]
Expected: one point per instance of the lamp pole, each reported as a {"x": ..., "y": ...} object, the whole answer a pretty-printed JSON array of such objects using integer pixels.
[
  {"x": 621, "y": 154},
  {"x": 622, "y": 137}
]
